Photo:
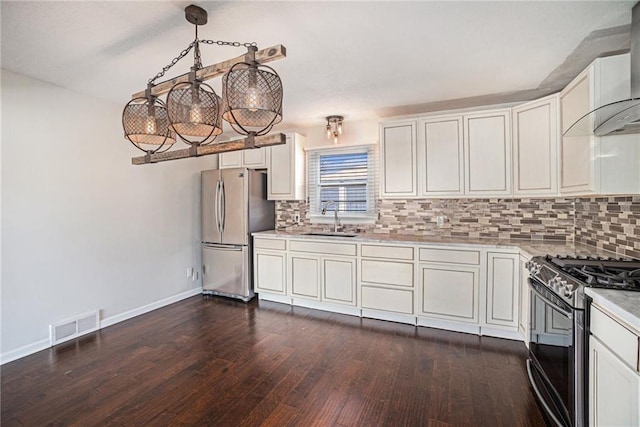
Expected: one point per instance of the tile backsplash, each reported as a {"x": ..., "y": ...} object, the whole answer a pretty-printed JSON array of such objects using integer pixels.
[{"x": 611, "y": 223}]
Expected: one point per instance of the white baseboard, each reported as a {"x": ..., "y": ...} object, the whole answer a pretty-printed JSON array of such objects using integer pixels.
[
  {"x": 147, "y": 308},
  {"x": 23, "y": 351},
  {"x": 388, "y": 316},
  {"x": 510, "y": 334},
  {"x": 334, "y": 308},
  {"x": 262, "y": 296},
  {"x": 35, "y": 347},
  {"x": 449, "y": 325}
]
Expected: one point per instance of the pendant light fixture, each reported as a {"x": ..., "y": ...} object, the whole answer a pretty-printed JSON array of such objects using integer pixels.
[
  {"x": 251, "y": 103},
  {"x": 146, "y": 124},
  {"x": 252, "y": 97},
  {"x": 334, "y": 127}
]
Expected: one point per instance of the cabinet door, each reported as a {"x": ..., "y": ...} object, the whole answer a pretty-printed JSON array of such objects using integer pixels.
[
  {"x": 487, "y": 140},
  {"x": 441, "y": 161},
  {"x": 576, "y": 166},
  {"x": 524, "y": 312},
  {"x": 231, "y": 159},
  {"x": 280, "y": 177},
  {"x": 398, "y": 160},
  {"x": 449, "y": 292},
  {"x": 255, "y": 158},
  {"x": 535, "y": 144},
  {"x": 503, "y": 284},
  {"x": 614, "y": 389},
  {"x": 339, "y": 280},
  {"x": 270, "y": 272},
  {"x": 304, "y": 276}
]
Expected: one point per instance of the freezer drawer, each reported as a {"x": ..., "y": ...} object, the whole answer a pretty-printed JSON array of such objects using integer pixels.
[{"x": 226, "y": 271}]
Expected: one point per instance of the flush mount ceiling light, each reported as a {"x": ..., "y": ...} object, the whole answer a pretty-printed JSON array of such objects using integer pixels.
[
  {"x": 334, "y": 127},
  {"x": 251, "y": 103}
]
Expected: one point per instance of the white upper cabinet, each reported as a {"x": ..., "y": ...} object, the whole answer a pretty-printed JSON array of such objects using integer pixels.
[
  {"x": 398, "y": 159},
  {"x": 487, "y": 153},
  {"x": 256, "y": 158},
  {"x": 440, "y": 156},
  {"x": 286, "y": 169},
  {"x": 535, "y": 147},
  {"x": 590, "y": 164}
]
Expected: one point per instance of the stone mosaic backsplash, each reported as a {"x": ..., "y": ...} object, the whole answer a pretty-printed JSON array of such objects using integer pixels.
[
  {"x": 532, "y": 219},
  {"x": 611, "y": 223}
]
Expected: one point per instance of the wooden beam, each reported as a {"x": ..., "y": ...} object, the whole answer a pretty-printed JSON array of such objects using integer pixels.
[
  {"x": 215, "y": 148},
  {"x": 263, "y": 56}
]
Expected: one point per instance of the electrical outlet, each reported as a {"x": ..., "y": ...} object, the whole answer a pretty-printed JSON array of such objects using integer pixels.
[
  {"x": 195, "y": 276},
  {"x": 440, "y": 220},
  {"x": 189, "y": 272},
  {"x": 296, "y": 218}
]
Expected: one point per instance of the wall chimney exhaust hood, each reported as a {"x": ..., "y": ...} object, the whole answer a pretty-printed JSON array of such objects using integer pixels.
[{"x": 622, "y": 117}]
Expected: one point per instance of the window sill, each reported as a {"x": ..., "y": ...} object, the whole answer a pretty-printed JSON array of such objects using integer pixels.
[{"x": 342, "y": 219}]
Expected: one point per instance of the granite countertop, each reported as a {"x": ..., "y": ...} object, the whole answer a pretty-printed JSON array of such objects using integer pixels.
[
  {"x": 529, "y": 247},
  {"x": 624, "y": 304}
]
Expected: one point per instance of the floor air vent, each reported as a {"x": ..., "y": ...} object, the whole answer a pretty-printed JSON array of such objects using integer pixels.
[{"x": 75, "y": 327}]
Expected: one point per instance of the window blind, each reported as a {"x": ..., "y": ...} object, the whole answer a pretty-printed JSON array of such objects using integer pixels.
[{"x": 345, "y": 177}]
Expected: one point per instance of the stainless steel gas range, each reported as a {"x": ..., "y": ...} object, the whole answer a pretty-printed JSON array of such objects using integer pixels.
[{"x": 557, "y": 364}]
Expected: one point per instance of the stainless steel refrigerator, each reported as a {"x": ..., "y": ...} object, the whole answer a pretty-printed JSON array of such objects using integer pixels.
[{"x": 234, "y": 205}]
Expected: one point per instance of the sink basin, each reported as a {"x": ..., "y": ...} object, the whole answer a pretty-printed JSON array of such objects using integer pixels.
[{"x": 329, "y": 234}]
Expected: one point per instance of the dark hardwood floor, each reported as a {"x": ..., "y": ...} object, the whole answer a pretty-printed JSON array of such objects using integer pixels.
[{"x": 225, "y": 363}]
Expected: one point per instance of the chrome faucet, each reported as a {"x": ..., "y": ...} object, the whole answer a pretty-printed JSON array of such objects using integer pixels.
[{"x": 325, "y": 205}]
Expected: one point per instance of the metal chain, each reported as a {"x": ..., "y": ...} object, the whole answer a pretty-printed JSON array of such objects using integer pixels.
[
  {"x": 223, "y": 43},
  {"x": 173, "y": 61},
  {"x": 198, "y": 61}
]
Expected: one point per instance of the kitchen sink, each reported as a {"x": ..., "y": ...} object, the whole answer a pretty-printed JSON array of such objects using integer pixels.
[{"x": 329, "y": 234}]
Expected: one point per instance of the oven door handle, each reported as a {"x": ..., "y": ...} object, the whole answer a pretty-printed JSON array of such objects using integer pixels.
[
  {"x": 564, "y": 312},
  {"x": 539, "y": 395}
]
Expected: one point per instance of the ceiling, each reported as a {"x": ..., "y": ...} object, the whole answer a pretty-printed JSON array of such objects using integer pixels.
[{"x": 358, "y": 59}]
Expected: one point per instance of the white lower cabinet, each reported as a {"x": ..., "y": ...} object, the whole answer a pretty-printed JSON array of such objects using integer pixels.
[
  {"x": 614, "y": 389},
  {"x": 386, "y": 279},
  {"x": 503, "y": 286},
  {"x": 387, "y": 299},
  {"x": 449, "y": 292},
  {"x": 320, "y": 272},
  {"x": 338, "y": 280},
  {"x": 614, "y": 371},
  {"x": 304, "y": 276},
  {"x": 468, "y": 289},
  {"x": 270, "y": 272},
  {"x": 269, "y": 266}
]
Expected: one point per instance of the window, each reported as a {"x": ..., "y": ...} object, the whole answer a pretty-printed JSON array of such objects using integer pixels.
[{"x": 345, "y": 177}]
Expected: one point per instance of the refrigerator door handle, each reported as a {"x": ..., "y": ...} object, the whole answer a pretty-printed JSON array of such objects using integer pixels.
[
  {"x": 218, "y": 207},
  {"x": 223, "y": 199},
  {"x": 224, "y": 247}
]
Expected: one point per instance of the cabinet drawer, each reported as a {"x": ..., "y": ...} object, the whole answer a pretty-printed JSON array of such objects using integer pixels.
[
  {"x": 392, "y": 252},
  {"x": 385, "y": 299},
  {"x": 277, "y": 244},
  {"x": 619, "y": 339},
  {"x": 450, "y": 256},
  {"x": 387, "y": 272},
  {"x": 323, "y": 247}
]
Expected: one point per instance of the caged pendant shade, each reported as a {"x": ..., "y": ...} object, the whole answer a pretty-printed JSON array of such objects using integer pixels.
[
  {"x": 252, "y": 98},
  {"x": 251, "y": 102},
  {"x": 146, "y": 124},
  {"x": 195, "y": 112}
]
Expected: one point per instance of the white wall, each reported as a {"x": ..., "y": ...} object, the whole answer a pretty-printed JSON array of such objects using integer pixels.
[{"x": 83, "y": 229}]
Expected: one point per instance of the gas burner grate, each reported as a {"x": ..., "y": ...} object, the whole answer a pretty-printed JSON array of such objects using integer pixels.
[{"x": 601, "y": 272}]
